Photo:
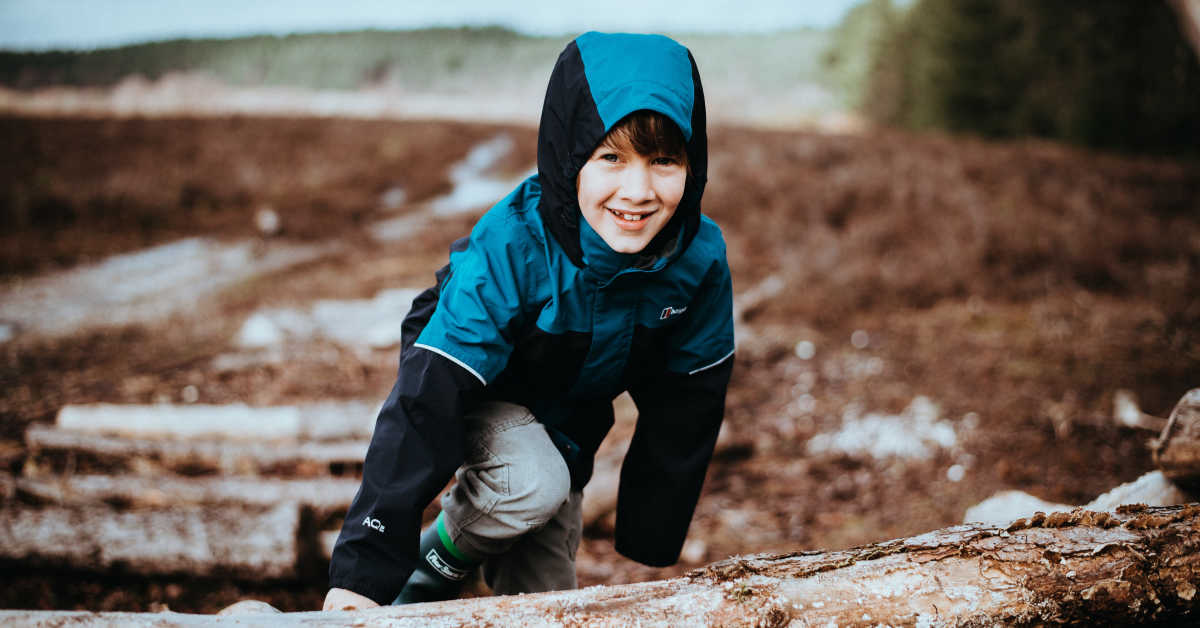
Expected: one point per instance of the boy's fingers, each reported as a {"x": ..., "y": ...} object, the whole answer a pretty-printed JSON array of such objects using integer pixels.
[{"x": 344, "y": 600}]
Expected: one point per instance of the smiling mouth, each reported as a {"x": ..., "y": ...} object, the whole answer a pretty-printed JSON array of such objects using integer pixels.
[{"x": 629, "y": 217}]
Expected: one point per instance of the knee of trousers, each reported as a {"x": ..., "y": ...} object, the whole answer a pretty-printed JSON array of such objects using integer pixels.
[{"x": 538, "y": 488}]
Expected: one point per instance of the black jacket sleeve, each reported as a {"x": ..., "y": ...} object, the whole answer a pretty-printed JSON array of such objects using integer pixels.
[
  {"x": 679, "y": 417},
  {"x": 414, "y": 451}
]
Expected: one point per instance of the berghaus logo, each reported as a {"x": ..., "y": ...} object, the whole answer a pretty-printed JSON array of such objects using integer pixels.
[{"x": 669, "y": 311}]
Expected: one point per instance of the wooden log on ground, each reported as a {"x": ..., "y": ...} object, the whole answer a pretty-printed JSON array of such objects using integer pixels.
[
  {"x": 247, "y": 542},
  {"x": 1137, "y": 565},
  {"x": 324, "y": 496},
  {"x": 305, "y": 458},
  {"x": 1177, "y": 449},
  {"x": 1189, "y": 21},
  {"x": 600, "y": 495},
  {"x": 316, "y": 421}
]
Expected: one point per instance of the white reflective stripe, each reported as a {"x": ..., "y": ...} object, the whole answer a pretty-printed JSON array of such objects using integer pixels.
[
  {"x": 454, "y": 360},
  {"x": 705, "y": 368}
]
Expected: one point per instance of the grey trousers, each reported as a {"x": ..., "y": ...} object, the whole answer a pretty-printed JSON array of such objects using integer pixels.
[{"x": 512, "y": 503}]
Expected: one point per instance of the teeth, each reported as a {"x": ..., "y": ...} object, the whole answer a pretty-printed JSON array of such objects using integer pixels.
[{"x": 629, "y": 217}]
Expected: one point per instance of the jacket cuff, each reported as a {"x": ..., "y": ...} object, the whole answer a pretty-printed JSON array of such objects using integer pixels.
[{"x": 645, "y": 557}]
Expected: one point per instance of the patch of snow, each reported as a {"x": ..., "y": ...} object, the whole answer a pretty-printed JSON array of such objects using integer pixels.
[
  {"x": 1007, "y": 506},
  {"x": 401, "y": 227},
  {"x": 142, "y": 286},
  {"x": 1152, "y": 489},
  {"x": 860, "y": 339},
  {"x": 852, "y": 366},
  {"x": 956, "y": 473},
  {"x": 394, "y": 197},
  {"x": 371, "y": 323},
  {"x": 804, "y": 404},
  {"x": 319, "y": 421},
  {"x": 474, "y": 187},
  {"x": 6, "y": 332},
  {"x": 915, "y": 433},
  {"x": 267, "y": 221},
  {"x": 805, "y": 350},
  {"x": 267, "y": 328}
]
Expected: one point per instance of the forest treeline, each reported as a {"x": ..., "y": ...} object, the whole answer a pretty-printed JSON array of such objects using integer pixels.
[
  {"x": 1111, "y": 74},
  {"x": 1107, "y": 74},
  {"x": 341, "y": 60}
]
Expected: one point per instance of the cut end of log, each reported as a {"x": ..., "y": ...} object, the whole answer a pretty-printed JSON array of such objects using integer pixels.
[{"x": 1177, "y": 450}]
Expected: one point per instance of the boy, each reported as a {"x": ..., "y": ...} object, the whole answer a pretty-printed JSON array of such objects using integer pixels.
[{"x": 509, "y": 365}]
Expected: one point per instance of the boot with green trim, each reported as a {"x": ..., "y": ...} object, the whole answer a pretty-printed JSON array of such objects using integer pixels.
[{"x": 441, "y": 568}]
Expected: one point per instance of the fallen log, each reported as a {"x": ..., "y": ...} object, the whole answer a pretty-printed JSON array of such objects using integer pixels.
[
  {"x": 324, "y": 496},
  {"x": 600, "y": 495},
  {"x": 1136, "y": 565},
  {"x": 316, "y": 421},
  {"x": 303, "y": 458},
  {"x": 1177, "y": 449},
  {"x": 1189, "y": 21},
  {"x": 246, "y": 542}
]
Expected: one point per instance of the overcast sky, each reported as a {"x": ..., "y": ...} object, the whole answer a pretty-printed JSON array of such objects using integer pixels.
[{"x": 46, "y": 24}]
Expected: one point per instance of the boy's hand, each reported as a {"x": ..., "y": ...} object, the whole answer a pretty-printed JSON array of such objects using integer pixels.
[{"x": 346, "y": 600}]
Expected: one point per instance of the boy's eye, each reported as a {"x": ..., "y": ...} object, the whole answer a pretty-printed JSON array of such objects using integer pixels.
[
  {"x": 664, "y": 161},
  {"x": 610, "y": 157}
]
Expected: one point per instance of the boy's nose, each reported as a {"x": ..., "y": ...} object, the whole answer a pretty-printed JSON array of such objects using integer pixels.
[{"x": 635, "y": 184}]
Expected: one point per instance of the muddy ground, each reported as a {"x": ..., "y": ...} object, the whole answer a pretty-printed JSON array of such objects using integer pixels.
[{"x": 1015, "y": 286}]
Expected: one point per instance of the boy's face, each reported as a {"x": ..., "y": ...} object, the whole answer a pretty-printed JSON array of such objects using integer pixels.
[{"x": 627, "y": 197}]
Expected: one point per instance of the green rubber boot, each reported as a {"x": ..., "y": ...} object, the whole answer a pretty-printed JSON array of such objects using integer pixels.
[{"x": 441, "y": 568}]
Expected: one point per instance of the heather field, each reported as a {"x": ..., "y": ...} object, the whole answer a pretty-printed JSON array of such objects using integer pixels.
[{"x": 926, "y": 319}]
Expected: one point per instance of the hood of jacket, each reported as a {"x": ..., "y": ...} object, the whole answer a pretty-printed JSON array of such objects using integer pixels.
[{"x": 598, "y": 80}]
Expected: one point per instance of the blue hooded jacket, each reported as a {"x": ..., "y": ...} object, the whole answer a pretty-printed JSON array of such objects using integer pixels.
[{"x": 534, "y": 308}]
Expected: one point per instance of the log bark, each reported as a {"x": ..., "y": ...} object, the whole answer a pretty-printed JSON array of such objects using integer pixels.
[
  {"x": 246, "y": 542},
  {"x": 324, "y": 496},
  {"x": 1137, "y": 565},
  {"x": 316, "y": 421},
  {"x": 304, "y": 458}
]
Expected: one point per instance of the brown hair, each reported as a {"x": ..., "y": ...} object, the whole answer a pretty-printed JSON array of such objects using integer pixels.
[{"x": 650, "y": 133}]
